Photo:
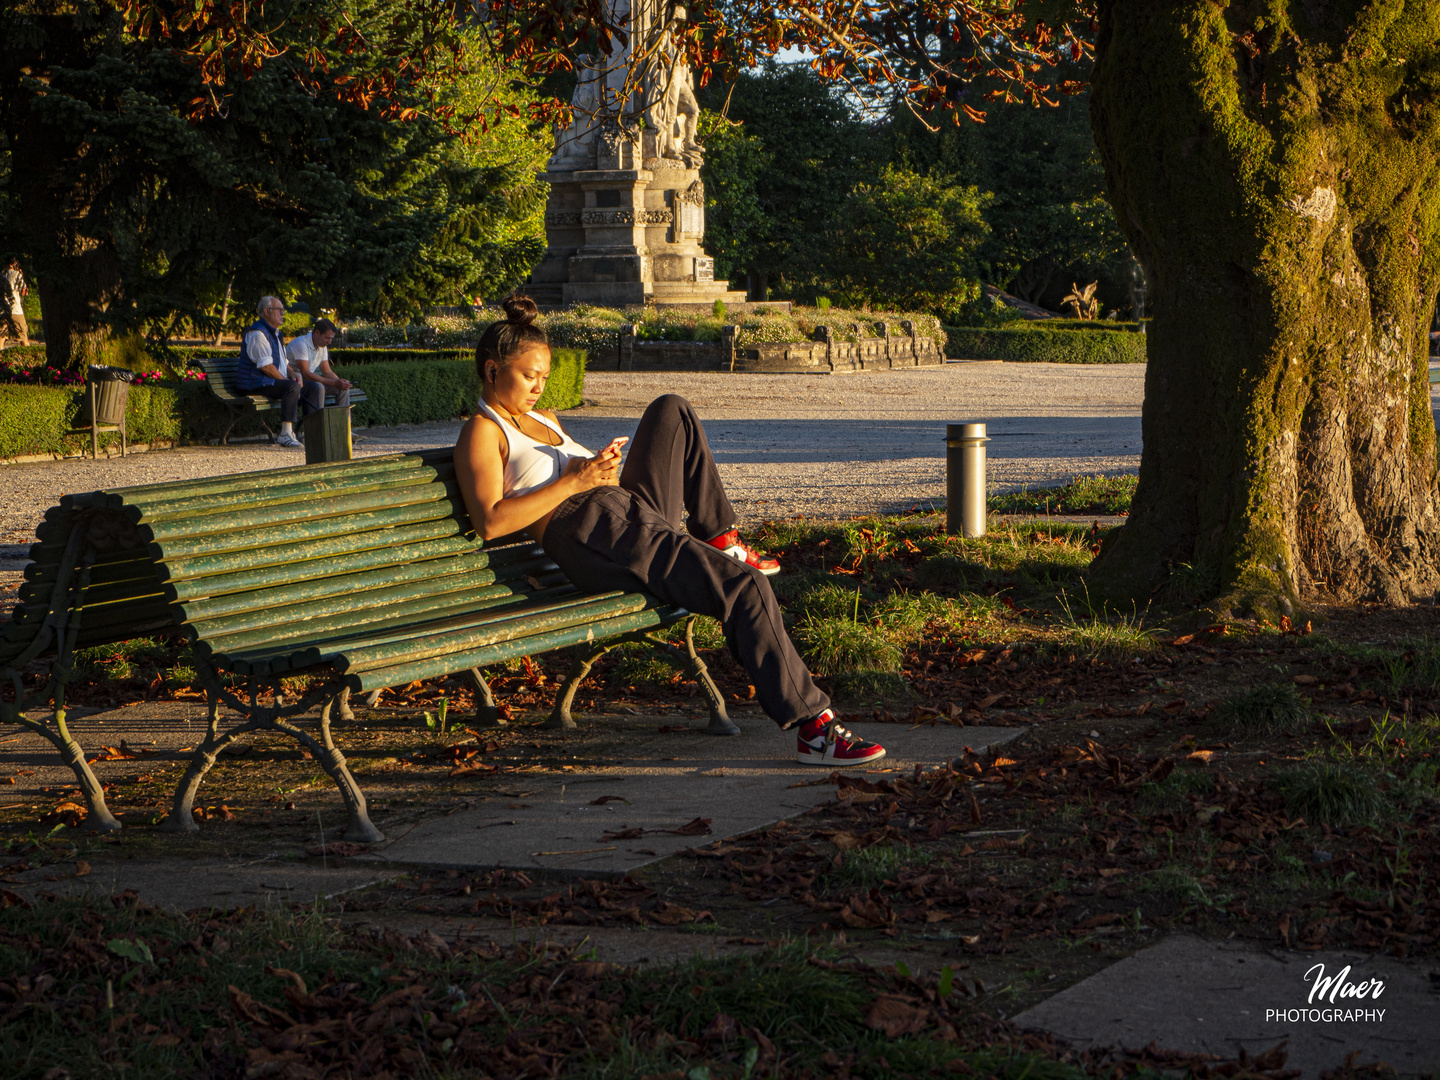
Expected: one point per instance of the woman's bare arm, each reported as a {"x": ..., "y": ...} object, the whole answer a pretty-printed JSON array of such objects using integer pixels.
[{"x": 480, "y": 470}]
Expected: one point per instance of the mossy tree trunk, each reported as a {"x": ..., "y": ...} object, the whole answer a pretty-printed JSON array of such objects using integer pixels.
[
  {"x": 1275, "y": 164},
  {"x": 64, "y": 176}
]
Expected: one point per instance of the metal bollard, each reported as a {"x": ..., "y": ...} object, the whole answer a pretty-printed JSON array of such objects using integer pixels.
[{"x": 965, "y": 479}]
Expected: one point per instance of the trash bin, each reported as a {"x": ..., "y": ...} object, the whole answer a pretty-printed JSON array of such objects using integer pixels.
[{"x": 106, "y": 391}]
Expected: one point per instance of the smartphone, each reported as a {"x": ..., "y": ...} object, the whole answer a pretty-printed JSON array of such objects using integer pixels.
[{"x": 615, "y": 443}]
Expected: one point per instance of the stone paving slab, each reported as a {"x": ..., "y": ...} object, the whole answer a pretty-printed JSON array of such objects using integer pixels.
[
  {"x": 202, "y": 883},
  {"x": 740, "y": 784},
  {"x": 1221, "y": 997}
]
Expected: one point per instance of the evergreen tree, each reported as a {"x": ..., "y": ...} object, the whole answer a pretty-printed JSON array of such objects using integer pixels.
[{"x": 136, "y": 213}]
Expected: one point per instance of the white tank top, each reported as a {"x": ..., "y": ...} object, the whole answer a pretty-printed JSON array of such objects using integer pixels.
[{"x": 530, "y": 464}]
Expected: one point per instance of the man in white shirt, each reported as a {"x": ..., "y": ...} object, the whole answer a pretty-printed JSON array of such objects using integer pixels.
[
  {"x": 310, "y": 356},
  {"x": 262, "y": 370}
]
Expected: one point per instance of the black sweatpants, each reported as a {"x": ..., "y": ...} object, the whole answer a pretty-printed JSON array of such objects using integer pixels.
[
  {"x": 291, "y": 395},
  {"x": 630, "y": 537}
]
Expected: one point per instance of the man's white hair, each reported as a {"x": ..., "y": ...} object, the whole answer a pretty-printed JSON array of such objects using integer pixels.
[{"x": 265, "y": 302}]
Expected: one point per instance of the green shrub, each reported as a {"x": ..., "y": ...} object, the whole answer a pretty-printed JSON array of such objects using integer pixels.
[
  {"x": 1059, "y": 346},
  {"x": 566, "y": 388},
  {"x": 381, "y": 355},
  {"x": 37, "y": 419},
  {"x": 40, "y": 419},
  {"x": 415, "y": 391}
]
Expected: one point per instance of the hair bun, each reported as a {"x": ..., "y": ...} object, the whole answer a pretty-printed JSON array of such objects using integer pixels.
[{"x": 520, "y": 310}]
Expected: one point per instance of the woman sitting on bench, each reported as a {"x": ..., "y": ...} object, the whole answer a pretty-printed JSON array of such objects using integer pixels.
[{"x": 612, "y": 528}]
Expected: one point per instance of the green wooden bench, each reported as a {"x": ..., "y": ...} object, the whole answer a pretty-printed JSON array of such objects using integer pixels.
[
  {"x": 220, "y": 375},
  {"x": 361, "y": 574}
]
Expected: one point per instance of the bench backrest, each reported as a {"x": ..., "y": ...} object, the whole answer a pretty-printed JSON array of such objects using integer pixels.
[
  {"x": 220, "y": 373},
  {"x": 264, "y": 570}
]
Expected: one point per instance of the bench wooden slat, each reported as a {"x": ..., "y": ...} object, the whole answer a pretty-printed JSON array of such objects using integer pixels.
[
  {"x": 322, "y": 649},
  {"x": 192, "y": 576},
  {"x": 275, "y": 625},
  {"x": 322, "y": 578},
  {"x": 255, "y": 545},
  {"x": 144, "y": 496},
  {"x": 352, "y": 622},
  {"x": 423, "y": 643},
  {"x": 281, "y": 514},
  {"x": 305, "y": 490},
  {"x": 399, "y": 674}
]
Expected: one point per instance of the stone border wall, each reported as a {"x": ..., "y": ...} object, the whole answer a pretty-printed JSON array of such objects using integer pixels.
[{"x": 824, "y": 355}]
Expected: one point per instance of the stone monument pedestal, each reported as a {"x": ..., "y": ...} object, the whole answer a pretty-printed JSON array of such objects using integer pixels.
[{"x": 620, "y": 237}]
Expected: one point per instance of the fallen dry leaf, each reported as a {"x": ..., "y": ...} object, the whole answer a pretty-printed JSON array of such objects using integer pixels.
[
  {"x": 894, "y": 1016},
  {"x": 338, "y": 849},
  {"x": 667, "y": 914},
  {"x": 699, "y": 826}
]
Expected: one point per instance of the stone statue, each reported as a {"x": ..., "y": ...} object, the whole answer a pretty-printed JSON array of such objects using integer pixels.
[
  {"x": 625, "y": 218},
  {"x": 655, "y": 83},
  {"x": 575, "y": 143},
  {"x": 672, "y": 112}
]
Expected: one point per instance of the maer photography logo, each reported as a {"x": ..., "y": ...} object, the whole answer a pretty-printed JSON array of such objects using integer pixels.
[{"x": 1333, "y": 1000}]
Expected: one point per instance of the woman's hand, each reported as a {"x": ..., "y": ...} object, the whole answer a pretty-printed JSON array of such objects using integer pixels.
[{"x": 600, "y": 471}]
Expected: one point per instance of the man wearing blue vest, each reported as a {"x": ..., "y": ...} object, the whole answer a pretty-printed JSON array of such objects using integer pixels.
[{"x": 262, "y": 370}]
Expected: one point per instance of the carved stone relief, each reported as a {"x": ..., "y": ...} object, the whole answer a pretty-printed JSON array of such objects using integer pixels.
[{"x": 624, "y": 217}]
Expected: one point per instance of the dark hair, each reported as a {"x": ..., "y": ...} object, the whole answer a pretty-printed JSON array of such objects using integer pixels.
[
  {"x": 504, "y": 340},
  {"x": 323, "y": 326}
]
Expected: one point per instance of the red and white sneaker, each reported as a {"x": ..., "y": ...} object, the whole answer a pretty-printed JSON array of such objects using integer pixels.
[
  {"x": 731, "y": 544},
  {"x": 823, "y": 741}
]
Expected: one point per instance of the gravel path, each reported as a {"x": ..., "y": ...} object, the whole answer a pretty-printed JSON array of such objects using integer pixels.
[{"x": 823, "y": 446}]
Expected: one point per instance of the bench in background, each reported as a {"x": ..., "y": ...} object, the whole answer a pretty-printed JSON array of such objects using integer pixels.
[{"x": 220, "y": 375}]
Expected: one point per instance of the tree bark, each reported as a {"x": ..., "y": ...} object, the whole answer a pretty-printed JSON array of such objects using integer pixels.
[
  {"x": 1274, "y": 167},
  {"x": 61, "y": 182}
]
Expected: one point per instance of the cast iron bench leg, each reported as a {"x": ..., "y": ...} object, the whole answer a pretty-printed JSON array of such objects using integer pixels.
[
  {"x": 182, "y": 810},
  {"x": 65, "y": 618},
  {"x": 486, "y": 714},
  {"x": 560, "y": 717},
  {"x": 720, "y": 723},
  {"x": 258, "y": 718},
  {"x": 346, "y": 713}
]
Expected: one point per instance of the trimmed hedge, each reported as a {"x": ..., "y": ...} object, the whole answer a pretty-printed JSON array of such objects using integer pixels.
[
  {"x": 38, "y": 419},
  {"x": 416, "y": 391},
  {"x": 349, "y": 355},
  {"x": 1045, "y": 346}
]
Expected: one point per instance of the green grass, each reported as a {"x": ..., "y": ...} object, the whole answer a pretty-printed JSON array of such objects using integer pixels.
[
  {"x": 1172, "y": 794},
  {"x": 865, "y": 868},
  {"x": 1108, "y": 495},
  {"x": 635, "y": 664},
  {"x": 1175, "y": 882},
  {"x": 1271, "y": 709},
  {"x": 832, "y": 646},
  {"x": 104, "y": 990},
  {"x": 1327, "y": 793},
  {"x": 870, "y": 687},
  {"x": 1101, "y": 634}
]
